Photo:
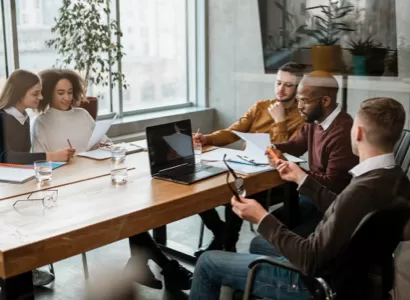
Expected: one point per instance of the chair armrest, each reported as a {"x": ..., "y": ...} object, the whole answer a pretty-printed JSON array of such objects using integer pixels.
[{"x": 274, "y": 261}]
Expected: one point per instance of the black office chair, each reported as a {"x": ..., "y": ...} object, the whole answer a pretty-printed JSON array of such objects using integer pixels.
[
  {"x": 401, "y": 151},
  {"x": 365, "y": 268}
]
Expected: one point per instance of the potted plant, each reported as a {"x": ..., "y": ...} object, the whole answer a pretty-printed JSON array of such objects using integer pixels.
[
  {"x": 86, "y": 42},
  {"x": 327, "y": 30},
  {"x": 359, "y": 50}
]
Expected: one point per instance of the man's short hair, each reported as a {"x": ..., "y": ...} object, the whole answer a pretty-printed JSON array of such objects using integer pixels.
[
  {"x": 293, "y": 68},
  {"x": 383, "y": 121},
  {"x": 323, "y": 84}
]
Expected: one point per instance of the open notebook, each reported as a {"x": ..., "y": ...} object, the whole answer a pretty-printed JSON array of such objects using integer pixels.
[
  {"x": 105, "y": 152},
  {"x": 15, "y": 173}
]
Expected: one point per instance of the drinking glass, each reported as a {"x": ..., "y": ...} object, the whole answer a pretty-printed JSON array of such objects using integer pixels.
[
  {"x": 119, "y": 173},
  {"x": 197, "y": 152},
  {"x": 43, "y": 170}
]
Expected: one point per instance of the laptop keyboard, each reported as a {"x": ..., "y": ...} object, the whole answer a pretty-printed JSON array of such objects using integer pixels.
[{"x": 184, "y": 170}]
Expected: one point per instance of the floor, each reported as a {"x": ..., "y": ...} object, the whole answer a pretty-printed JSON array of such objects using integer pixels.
[{"x": 106, "y": 265}]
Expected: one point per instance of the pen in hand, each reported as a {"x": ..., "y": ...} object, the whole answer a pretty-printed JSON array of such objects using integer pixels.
[{"x": 69, "y": 144}]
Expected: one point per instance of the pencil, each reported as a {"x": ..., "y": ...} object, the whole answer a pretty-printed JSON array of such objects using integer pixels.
[{"x": 69, "y": 144}]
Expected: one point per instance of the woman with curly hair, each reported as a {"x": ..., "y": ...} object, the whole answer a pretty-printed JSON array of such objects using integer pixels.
[{"x": 61, "y": 118}]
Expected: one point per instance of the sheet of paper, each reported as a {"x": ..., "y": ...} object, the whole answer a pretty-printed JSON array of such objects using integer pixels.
[
  {"x": 100, "y": 129},
  {"x": 240, "y": 168},
  {"x": 293, "y": 158},
  {"x": 256, "y": 144},
  {"x": 96, "y": 154},
  {"x": 140, "y": 143},
  {"x": 16, "y": 175},
  {"x": 218, "y": 154}
]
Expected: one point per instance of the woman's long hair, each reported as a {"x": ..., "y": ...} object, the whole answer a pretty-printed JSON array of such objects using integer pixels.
[{"x": 16, "y": 87}]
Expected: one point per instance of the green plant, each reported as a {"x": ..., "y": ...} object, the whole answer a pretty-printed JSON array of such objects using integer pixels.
[
  {"x": 361, "y": 46},
  {"x": 84, "y": 40},
  {"x": 327, "y": 30}
]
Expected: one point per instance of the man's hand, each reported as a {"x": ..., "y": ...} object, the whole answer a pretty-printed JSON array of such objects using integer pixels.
[
  {"x": 248, "y": 209},
  {"x": 272, "y": 161},
  {"x": 290, "y": 171},
  {"x": 277, "y": 112},
  {"x": 199, "y": 138}
]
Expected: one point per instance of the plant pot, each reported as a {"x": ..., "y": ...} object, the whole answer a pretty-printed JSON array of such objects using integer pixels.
[
  {"x": 91, "y": 106},
  {"x": 375, "y": 61},
  {"x": 327, "y": 58},
  {"x": 359, "y": 65}
]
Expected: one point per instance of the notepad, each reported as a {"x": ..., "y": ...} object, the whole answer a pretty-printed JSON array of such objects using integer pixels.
[
  {"x": 16, "y": 174},
  {"x": 105, "y": 153}
]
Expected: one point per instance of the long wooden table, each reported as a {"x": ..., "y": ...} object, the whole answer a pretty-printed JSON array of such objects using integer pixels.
[{"x": 92, "y": 213}]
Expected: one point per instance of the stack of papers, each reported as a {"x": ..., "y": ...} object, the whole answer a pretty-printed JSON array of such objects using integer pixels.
[{"x": 252, "y": 160}]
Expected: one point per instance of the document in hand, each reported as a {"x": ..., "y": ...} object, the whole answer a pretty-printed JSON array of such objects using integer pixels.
[
  {"x": 100, "y": 129},
  {"x": 256, "y": 144}
]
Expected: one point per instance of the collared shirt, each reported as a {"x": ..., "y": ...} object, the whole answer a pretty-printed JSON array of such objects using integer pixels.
[
  {"x": 330, "y": 118},
  {"x": 13, "y": 111},
  {"x": 384, "y": 161}
]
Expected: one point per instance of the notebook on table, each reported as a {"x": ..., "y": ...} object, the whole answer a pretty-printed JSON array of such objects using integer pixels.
[{"x": 16, "y": 173}]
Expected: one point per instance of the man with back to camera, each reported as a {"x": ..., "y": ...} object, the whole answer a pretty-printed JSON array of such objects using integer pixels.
[
  {"x": 377, "y": 183},
  {"x": 278, "y": 117}
]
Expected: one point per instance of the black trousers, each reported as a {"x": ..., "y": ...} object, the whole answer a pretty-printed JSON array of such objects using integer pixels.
[{"x": 144, "y": 244}]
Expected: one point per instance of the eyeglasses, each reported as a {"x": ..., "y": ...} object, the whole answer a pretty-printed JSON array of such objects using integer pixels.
[
  {"x": 48, "y": 200},
  {"x": 305, "y": 101},
  {"x": 238, "y": 182}
]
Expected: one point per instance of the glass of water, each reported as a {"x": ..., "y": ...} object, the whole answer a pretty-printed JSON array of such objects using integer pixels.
[
  {"x": 43, "y": 170},
  {"x": 119, "y": 173},
  {"x": 197, "y": 152}
]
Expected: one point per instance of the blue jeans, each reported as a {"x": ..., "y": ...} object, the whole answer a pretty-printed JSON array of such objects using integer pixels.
[{"x": 217, "y": 268}]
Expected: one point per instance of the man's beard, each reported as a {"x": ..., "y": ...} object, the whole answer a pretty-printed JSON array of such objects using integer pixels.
[
  {"x": 288, "y": 98},
  {"x": 314, "y": 115}
]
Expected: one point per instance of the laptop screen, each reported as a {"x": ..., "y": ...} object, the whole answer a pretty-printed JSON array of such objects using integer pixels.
[{"x": 170, "y": 145}]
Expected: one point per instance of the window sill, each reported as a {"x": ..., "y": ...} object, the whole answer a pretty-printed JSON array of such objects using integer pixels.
[{"x": 131, "y": 128}]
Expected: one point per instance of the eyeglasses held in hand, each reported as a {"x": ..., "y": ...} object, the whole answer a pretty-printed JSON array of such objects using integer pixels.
[
  {"x": 48, "y": 200},
  {"x": 238, "y": 182}
]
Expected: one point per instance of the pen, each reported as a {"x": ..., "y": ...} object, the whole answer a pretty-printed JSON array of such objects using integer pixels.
[
  {"x": 69, "y": 144},
  {"x": 197, "y": 132}
]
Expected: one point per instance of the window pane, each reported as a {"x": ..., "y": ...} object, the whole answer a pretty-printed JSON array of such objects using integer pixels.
[
  {"x": 155, "y": 64},
  {"x": 34, "y": 22}
]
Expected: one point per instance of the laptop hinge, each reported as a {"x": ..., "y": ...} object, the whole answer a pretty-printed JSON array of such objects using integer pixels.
[{"x": 167, "y": 169}]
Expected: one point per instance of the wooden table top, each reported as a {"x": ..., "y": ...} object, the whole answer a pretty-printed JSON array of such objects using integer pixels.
[
  {"x": 77, "y": 169},
  {"x": 93, "y": 213}
]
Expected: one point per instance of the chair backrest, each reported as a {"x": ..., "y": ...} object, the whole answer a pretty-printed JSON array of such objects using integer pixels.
[
  {"x": 402, "y": 151},
  {"x": 370, "y": 250}
]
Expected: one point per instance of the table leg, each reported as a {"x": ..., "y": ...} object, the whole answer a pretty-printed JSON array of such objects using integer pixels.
[
  {"x": 291, "y": 205},
  {"x": 160, "y": 235},
  {"x": 19, "y": 287}
]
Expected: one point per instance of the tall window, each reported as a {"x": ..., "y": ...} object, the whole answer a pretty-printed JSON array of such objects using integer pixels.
[{"x": 155, "y": 42}]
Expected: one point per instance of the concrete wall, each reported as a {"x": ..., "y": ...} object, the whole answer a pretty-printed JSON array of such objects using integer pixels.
[{"x": 236, "y": 72}]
